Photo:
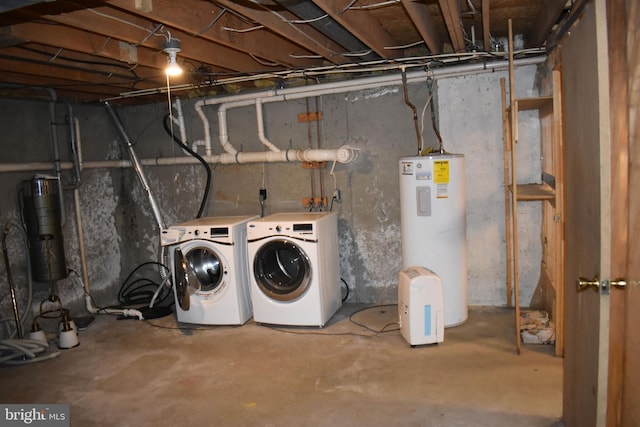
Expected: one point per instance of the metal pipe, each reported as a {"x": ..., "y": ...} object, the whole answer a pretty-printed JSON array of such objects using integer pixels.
[
  {"x": 56, "y": 152},
  {"x": 137, "y": 167},
  {"x": 82, "y": 249},
  {"x": 14, "y": 302},
  {"x": 245, "y": 99},
  {"x": 74, "y": 131}
]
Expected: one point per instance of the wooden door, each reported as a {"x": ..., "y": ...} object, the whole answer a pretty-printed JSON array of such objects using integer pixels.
[
  {"x": 623, "y": 407},
  {"x": 602, "y": 153},
  {"x": 585, "y": 85}
]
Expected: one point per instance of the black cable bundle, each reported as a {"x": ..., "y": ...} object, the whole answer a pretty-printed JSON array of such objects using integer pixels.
[
  {"x": 138, "y": 290},
  {"x": 185, "y": 147}
]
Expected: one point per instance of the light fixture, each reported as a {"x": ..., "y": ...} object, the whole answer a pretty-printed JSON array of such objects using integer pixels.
[
  {"x": 172, "y": 47},
  {"x": 38, "y": 334},
  {"x": 67, "y": 337}
]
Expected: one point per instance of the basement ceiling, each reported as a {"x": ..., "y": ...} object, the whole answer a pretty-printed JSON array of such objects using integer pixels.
[{"x": 91, "y": 51}]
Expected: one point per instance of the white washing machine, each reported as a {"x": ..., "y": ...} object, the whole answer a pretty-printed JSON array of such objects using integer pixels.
[
  {"x": 294, "y": 268},
  {"x": 208, "y": 263}
]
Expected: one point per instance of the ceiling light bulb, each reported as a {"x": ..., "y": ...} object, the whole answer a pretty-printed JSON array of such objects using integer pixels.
[
  {"x": 172, "y": 47},
  {"x": 173, "y": 69}
]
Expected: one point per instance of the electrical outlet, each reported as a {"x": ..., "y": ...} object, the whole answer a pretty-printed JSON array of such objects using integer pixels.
[{"x": 337, "y": 196}]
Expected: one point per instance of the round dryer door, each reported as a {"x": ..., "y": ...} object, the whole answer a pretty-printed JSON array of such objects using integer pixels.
[
  {"x": 282, "y": 270},
  {"x": 199, "y": 269},
  {"x": 205, "y": 267}
]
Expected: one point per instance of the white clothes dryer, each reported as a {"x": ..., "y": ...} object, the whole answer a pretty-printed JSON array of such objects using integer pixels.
[
  {"x": 294, "y": 268},
  {"x": 208, "y": 263}
]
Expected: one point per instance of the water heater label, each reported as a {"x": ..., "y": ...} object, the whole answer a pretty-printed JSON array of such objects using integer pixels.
[
  {"x": 441, "y": 171},
  {"x": 442, "y": 191},
  {"x": 407, "y": 168}
]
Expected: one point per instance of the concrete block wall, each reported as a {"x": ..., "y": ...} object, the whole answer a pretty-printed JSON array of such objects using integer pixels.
[{"x": 120, "y": 229}]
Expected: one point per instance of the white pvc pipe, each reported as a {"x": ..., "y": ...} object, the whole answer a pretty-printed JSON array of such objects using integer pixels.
[
  {"x": 344, "y": 154},
  {"x": 222, "y": 126},
  {"x": 261, "y": 134},
  {"x": 207, "y": 130},
  {"x": 244, "y": 99}
]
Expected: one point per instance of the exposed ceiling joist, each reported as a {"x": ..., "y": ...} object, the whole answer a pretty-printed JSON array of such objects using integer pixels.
[
  {"x": 452, "y": 18},
  {"x": 546, "y": 19},
  {"x": 215, "y": 24},
  {"x": 362, "y": 25},
  {"x": 276, "y": 21},
  {"x": 79, "y": 47},
  {"x": 424, "y": 22},
  {"x": 486, "y": 24}
]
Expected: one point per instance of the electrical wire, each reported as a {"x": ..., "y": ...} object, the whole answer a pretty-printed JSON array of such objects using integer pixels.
[
  {"x": 384, "y": 328},
  {"x": 347, "y": 291},
  {"x": 207, "y": 187},
  {"x": 134, "y": 291},
  {"x": 295, "y": 331},
  {"x": 141, "y": 290}
]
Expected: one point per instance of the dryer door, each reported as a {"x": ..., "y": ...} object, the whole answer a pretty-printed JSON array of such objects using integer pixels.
[
  {"x": 206, "y": 268},
  {"x": 200, "y": 269},
  {"x": 181, "y": 279},
  {"x": 282, "y": 269}
]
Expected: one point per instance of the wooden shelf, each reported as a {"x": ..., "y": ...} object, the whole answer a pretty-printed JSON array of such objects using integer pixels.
[
  {"x": 532, "y": 192},
  {"x": 536, "y": 103},
  {"x": 548, "y": 190}
]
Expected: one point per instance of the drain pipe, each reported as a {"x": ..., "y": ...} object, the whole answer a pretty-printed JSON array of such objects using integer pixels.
[
  {"x": 261, "y": 134},
  {"x": 222, "y": 130},
  {"x": 207, "y": 129},
  {"x": 56, "y": 152},
  {"x": 81, "y": 246},
  {"x": 137, "y": 167},
  {"x": 341, "y": 87},
  {"x": 91, "y": 308},
  {"x": 344, "y": 154}
]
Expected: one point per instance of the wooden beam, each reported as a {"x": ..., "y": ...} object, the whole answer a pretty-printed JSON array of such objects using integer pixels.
[
  {"x": 208, "y": 21},
  {"x": 306, "y": 36},
  {"x": 550, "y": 11},
  {"x": 85, "y": 42},
  {"x": 135, "y": 30},
  {"x": 63, "y": 87},
  {"x": 362, "y": 25},
  {"x": 422, "y": 19},
  {"x": 486, "y": 25},
  {"x": 42, "y": 70},
  {"x": 452, "y": 19}
]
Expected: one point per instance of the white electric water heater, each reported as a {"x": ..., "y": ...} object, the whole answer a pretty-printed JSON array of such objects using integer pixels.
[
  {"x": 433, "y": 225},
  {"x": 420, "y": 306}
]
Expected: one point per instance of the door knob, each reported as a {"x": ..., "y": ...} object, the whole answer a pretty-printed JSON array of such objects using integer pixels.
[
  {"x": 586, "y": 283},
  {"x": 619, "y": 283}
]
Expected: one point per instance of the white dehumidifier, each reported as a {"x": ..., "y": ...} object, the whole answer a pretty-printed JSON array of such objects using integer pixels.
[{"x": 420, "y": 306}]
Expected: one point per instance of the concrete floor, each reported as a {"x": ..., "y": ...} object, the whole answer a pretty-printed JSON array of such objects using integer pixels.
[{"x": 160, "y": 373}]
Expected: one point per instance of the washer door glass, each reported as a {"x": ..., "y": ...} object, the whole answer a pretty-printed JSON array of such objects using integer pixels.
[
  {"x": 282, "y": 270},
  {"x": 205, "y": 268}
]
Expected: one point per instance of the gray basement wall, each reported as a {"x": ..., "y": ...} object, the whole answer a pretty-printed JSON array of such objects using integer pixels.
[{"x": 120, "y": 230}]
